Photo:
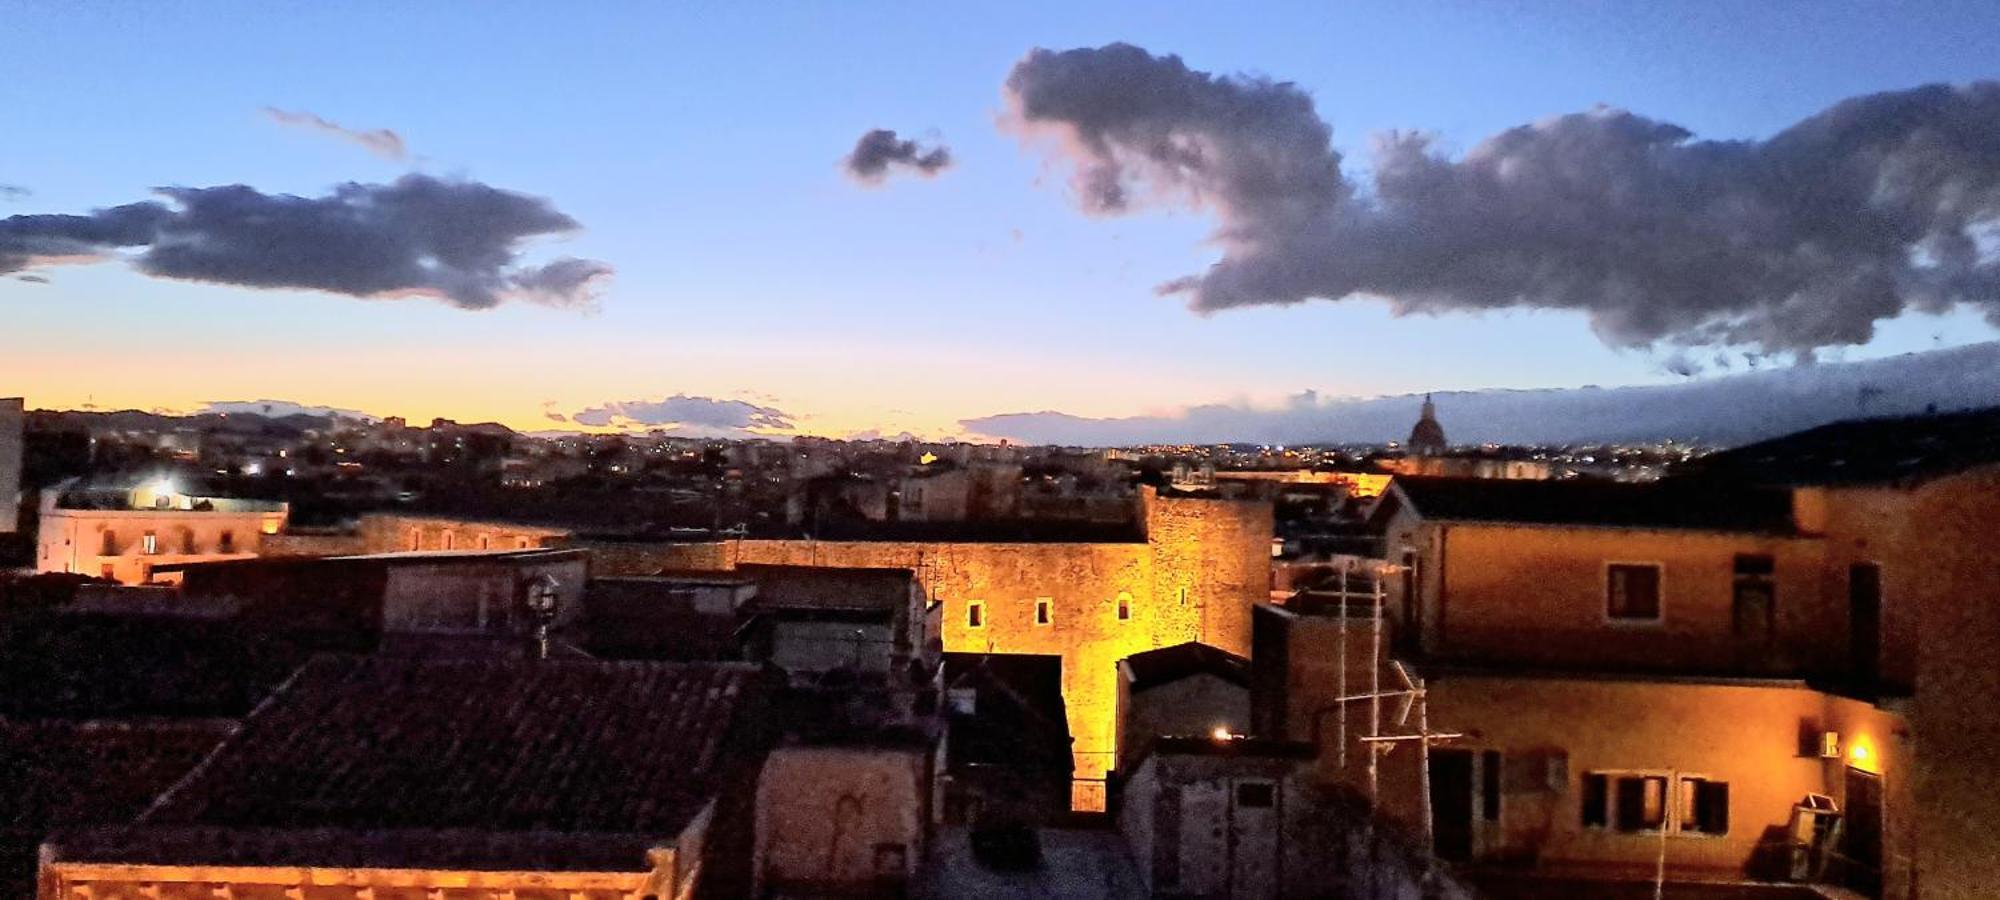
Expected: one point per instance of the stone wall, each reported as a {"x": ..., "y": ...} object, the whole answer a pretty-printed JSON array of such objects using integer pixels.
[
  {"x": 1204, "y": 564},
  {"x": 396, "y": 533}
]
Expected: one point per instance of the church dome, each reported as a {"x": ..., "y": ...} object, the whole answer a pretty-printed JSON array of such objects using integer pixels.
[{"x": 1428, "y": 435}]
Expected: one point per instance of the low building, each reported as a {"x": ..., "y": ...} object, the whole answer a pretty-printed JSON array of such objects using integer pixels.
[
  {"x": 845, "y": 813},
  {"x": 1187, "y": 690},
  {"x": 469, "y": 778},
  {"x": 127, "y": 532},
  {"x": 871, "y": 625},
  {"x": 421, "y": 602},
  {"x": 1243, "y": 817}
]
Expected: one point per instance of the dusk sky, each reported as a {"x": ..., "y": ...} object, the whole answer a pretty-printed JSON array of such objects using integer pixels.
[{"x": 701, "y": 155}]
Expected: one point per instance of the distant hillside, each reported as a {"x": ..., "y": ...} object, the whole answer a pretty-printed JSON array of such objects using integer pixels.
[{"x": 1719, "y": 411}]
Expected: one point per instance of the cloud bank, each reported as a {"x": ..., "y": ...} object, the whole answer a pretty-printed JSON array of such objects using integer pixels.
[
  {"x": 455, "y": 241},
  {"x": 1880, "y": 204},
  {"x": 1725, "y": 410},
  {"x": 703, "y": 416},
  {"x": 379, "y": 141},
  {"x": 880, "y": 151}
]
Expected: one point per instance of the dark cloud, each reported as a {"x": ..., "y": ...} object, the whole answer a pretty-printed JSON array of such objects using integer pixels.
[
  {"x": 880, "y": 150},
  {"x": 693, "y": 415},
  {"x": 456, "y": 241},
  {"x": 379, "y": 141},
  {"x": 1880, "y": 204},
  {"x": 11, "y": 192},
  {"x": 33, "y": 279},
  {"x": 1722, "y": 410}
]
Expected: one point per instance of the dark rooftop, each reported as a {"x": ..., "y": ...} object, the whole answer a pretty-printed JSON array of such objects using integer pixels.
[
  {"x": 826, "y": 588},
  {"x": 1018, "y": 716},
  {"x": 1609, "y": 504},
  {"x": 378, "y": 744},
  {"x": 1170, "y": 664},
  {"x": 1902, "y": 449},
  {"x": 63, "y": 774}
]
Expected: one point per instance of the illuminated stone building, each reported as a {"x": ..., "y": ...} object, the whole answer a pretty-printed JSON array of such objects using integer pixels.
[
  {"x": 477, "y": 780},
  {"x": 1193, "y": 576},
  {"x": 124, "y": 532}
]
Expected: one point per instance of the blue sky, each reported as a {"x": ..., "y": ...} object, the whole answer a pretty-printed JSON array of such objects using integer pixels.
[{"x": 700, "y": 150}]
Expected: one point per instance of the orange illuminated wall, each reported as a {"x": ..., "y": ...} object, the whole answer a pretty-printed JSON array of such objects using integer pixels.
[{"x": 1204, "y": 564}]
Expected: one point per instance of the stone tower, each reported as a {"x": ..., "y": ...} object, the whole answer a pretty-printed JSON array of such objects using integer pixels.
[{"x": 1427, "y": 438}]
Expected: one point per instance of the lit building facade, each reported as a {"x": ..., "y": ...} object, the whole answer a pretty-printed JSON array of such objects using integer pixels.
[
  {"x": 1202, "y": 565},
  {"x": 124, "y": 533}
]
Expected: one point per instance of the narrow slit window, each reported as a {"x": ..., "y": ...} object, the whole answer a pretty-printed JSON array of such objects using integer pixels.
[
  {"x": 1044, "y": 611},
  {"x": 975, "y": 615}
]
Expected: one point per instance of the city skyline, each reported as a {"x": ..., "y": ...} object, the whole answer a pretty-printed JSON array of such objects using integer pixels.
[{"x": 777, "y": 271}]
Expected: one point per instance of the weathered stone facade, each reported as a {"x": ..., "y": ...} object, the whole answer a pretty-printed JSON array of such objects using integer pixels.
[{"x": 1204, "y": 563}]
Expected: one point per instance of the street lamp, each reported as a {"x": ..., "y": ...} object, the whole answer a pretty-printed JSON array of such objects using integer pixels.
[{"x": 542, "y": 599}]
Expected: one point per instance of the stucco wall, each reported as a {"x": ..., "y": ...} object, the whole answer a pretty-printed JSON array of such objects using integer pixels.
[
  {"x": 823, "y": 811},
  {"x": 1536, "y": 595},
  {"x": 1755, "y": 737},
  {"x": 1192, "y": 706},
  {"x": 1958, "y": 685},
  {"x": 71, "y": 540}
]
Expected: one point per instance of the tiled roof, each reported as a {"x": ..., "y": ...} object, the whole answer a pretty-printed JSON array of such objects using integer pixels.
[
  {"x": 59, "y": 774},
  {"x": 1661, "y": 504},
  {"x": 487, "y": 745},
  {"x": 1168, "y": 664},
  {"x": 814, "y": 587},
  {"x": 1863, "y": 451}
]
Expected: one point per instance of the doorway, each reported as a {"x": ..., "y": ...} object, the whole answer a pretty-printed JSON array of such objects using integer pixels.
[
  {"x": 1451, "y": 804},
  {"x": 1861, "y": 844},
  {"x": 1864, "y": 616}
]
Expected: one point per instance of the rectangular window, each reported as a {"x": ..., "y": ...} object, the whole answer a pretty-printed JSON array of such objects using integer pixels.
[
  {"x": 1596, "y": 800},
  {"x": 975, "y": 615},
  {"x": 1044, "y": 614},
  {"x": 448, "y": 538},
  {"x": 416, "y": 539},
  {"x": 149, "y": 543},
  {"x": 1754, "y": 597},
  {"x": 108, "y": 546},
  {"x": 1641, "y": 802},
  {"x": 1704, "y": 806},
  {"x": 1489, "y": 785},
  {"x": 187, "y": 541},
  {"x": 1256, "y": 794},
  {"x": 226, "y": 542},
  {"x": 1632, "y": 592},
  {"x": 1124, "y": 606}
]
